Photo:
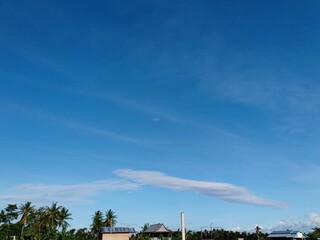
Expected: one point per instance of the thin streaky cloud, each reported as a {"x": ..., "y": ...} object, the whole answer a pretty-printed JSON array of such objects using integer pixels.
[
  {"x": 79, "y": 126},
  {"x": 140, "y": 107},
  {"x": 64, "y": 122},
  {"x": 155, "y": 112},
  {"x": 312, "y": 179},
  {"x": 293, "y": 104},
  {"x": 265, "y": 92},
  {"x": 161, "y": 114},
  {"x": 116, "y": 136},
  {"x": 74, "y": 193},
  {"x": 224, "y": 191}
]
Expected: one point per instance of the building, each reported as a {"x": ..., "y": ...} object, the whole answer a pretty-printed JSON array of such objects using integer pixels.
[
  {"x": 158, "y": 231},
  {"x": 115, "y": 233},
  {"x": 287, "y": 235}
]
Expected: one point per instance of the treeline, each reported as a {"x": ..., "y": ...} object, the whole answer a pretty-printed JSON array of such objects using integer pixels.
[
  {"x": 221, "y": 234},
  {"x": 27, "y": 222},
  {"x": 214, "y": 234}
]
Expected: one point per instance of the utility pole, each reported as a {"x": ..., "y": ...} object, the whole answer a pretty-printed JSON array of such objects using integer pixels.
[{"x": 183, "y": 227}]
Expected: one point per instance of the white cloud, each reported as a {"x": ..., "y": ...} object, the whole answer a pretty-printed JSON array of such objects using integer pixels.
[
  {"x": 224, "y": 191},
  {"x": 132, "y": 180},
  {"x": 314, "y": 218},
  {"x": 236, "y": 229},
  {"x": 305, "y": 225},
  {"x": 43, "y": 193}
]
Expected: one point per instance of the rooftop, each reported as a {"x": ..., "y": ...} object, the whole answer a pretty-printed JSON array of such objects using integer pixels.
[
  {"x": 157, "y": 228},
  {"x": 287, "y": 234},
  {"x": 117, "y": 230}
]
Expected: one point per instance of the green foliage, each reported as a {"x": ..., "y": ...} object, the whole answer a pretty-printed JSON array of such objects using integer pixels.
[
  {"x": 36, "y": 224},
  {"x": 84, "y": 234},
  {"x": 315, "y": 234},
  {"x": 97, "y": 222},
  {"x": 145, "y": 227},
  {"x": 219, "y": 234},
  {"x": 111, "y": 217},
  {"x": 51, "y": 223},
  {"x": 142, "y": 236},
  {"x": 11, "y": 212}
]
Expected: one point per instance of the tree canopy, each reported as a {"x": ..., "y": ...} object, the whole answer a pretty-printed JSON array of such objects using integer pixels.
[{"x": 51, "y": 223}]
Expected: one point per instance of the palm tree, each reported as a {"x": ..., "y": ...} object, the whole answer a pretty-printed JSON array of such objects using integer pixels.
[
  {"x": 189, "y": 234},
  {"x": 97, "y": 222},
  {"x": 257, "y": 231},
  {"x": 26, "y": 211},
  {"x": 11, "y": 214},
  {"x": 64, "y": 215},
  {"x": 53, "y": 216},
  {"x": 110, "y": 220},
  {"x": 39, "y": 220},
  {"x": 145, "y": 227},
  {"x": 3, "y": 217}
]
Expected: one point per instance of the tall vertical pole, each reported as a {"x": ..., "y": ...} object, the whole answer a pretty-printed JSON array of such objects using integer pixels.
[{"x": 183, "y": 227}]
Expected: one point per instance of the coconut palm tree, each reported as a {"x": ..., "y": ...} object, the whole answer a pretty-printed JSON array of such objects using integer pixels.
[
  {"x": 11, "y": 212},
  {"x": 145, "y": 227},
  {"x": 257, "y": 228},
  {"x": 97, "y": 222},
  {"x": 110, "y": 220},
  {"x": 64, "y": 215},
  {"x": 39, "y": 221},
  {"x": 26, "y": 211},
  {"x": 3, "y": 217},
  {"x": 53, "y": 216}
]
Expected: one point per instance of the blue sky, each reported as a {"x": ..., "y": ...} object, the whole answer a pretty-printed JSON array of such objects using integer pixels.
[{"x": 151, "y": 108}]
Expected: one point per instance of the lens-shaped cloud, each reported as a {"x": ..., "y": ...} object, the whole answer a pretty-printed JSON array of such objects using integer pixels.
[
  {"x": 131, "y": 180},
  {"x": 224, "y": 191}
]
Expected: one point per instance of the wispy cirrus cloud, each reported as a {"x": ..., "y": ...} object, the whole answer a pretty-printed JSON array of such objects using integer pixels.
[
  {"x": 224, "y": 191},
  {"x": 293, "y": 103},
  {"x": 312, "y": 179},
  {"x": 164, "y": 114},
  {"x": 67, "y": 123},
  {"x": 73, "y": 193},
  {"x": 140, "y": 107},
  {"x": 131, "y": 180},
  {"x": 253, "y": 80},
  {"x": 81, "y": 126}
]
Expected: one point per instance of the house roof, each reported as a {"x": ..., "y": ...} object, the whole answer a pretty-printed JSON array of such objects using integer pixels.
[
  {"x": 286, "y": 234},
  {"x": 117, "y": 230},
  {"x": 157, "y": 228}
]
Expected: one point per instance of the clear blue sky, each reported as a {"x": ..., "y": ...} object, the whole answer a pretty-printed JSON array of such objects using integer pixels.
[{"x": 151, "y": 108}]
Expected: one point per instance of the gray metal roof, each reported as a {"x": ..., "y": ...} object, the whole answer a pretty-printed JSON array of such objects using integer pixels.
[
  {"x": 157, "y": 228},
  {"x": 287, "y": 234},
  {"x": 117, "y": 230}
]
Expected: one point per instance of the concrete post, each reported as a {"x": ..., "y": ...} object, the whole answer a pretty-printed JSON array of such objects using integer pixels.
[{"x": 183, "y": 227}]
